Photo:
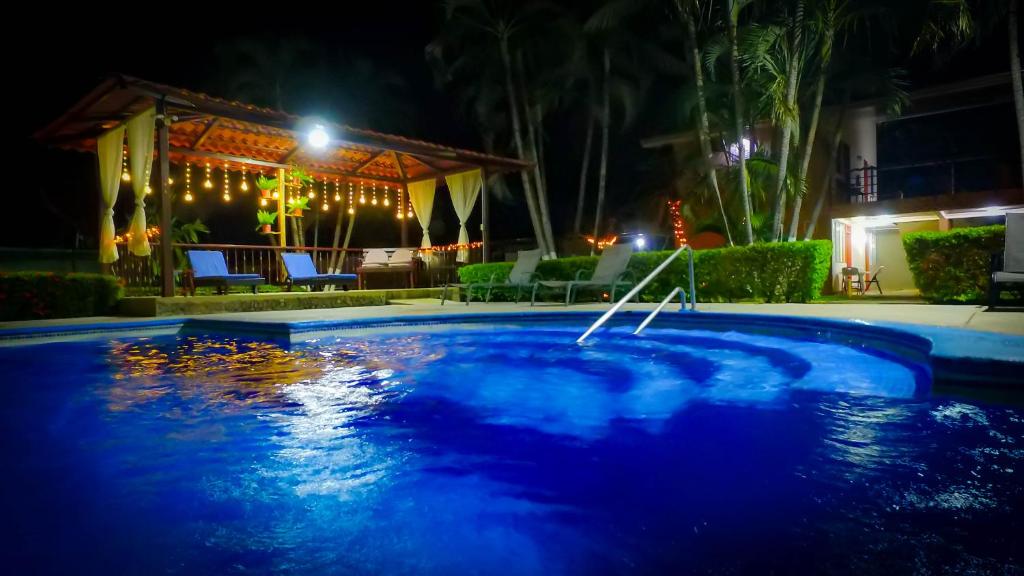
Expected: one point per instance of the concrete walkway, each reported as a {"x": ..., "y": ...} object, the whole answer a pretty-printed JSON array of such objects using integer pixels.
[{"x": 969, "y": 317}]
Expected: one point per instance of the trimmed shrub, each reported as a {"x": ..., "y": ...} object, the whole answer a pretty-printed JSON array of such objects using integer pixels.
[
  {"x": 953, "y": 266},
  {"x": 37, "y": 295},
  {"x": 783, "y": 272}
]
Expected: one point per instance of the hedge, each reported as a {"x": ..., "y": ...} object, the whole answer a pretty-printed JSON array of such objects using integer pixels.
[
  {"x": 953, "y": 266},
  {"x": 36, "y": 295},
  {"x": 783, "y": 272}
]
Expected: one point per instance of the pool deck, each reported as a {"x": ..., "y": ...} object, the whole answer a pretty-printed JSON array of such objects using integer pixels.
[
  {"x": 974, "y": 318},
  {"x": 965, "y": 340}
]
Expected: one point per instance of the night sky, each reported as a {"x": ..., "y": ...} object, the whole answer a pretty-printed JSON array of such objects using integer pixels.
[{"x": 56, "y": 62}]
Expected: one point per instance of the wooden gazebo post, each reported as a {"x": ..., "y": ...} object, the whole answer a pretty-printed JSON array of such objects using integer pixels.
[
  {"x": 485, "y": 216},
  {"x": 166, "y": 251}
]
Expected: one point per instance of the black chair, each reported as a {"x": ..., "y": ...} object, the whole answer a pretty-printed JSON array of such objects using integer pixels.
[
  {"x": 852, "y": 279},
  {"x": 874, "y": 280}
]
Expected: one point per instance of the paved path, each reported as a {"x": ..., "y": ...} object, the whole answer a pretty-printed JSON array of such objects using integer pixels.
[{"x": 970, "y": 317}]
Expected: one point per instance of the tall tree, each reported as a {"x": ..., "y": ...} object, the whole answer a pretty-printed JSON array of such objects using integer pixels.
[
  {"x": 688, "y": 11},
  {"x": 829, "y": 16},
  {"x": 732, "y": 14},
  {"x": 788, "y": 114},
  {"x": 481, "y": 33}
]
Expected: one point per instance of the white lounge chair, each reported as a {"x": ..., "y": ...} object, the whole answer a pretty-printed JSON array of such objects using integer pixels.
[
  {"x": 1008, "y": 268},
  {"x": 610, "y": 272},
  {"x": 523, "y": 275}
]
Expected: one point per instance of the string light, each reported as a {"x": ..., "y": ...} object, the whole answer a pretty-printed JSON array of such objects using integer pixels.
[
  {"x": 263, "y": 201},
  {"x": 149, "y": 189},
  {"x": 362, "y": 194},
  {"x": 227, "y": 184},
  {"x": 678, "y": 224},
  {"x": 400, "y": 214},
  {"x": 351, "y": 207},
  {"x": 188, "y": 182},
  {"x": 325, "y": 207},
  {"x": 244, "y": 187},
  {"x": 337, "y": 195},
  {"x": 387, "y": 196},
  {"x": 374, "y": 194},
  {"x": 125, "y": 175},
  {"x": 208, "y": 182}
]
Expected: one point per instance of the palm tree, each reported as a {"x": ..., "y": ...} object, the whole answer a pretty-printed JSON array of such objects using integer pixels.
[
  {"x": 788, "y": 114},
  {"x": 490, "y": 27},
  {"x": 829, "y": 17},
  {"x": 732, "y": 15},
  {"x": 687, "y": 10}
]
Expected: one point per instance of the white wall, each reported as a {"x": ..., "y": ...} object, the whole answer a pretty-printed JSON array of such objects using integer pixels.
[
  {"x": 860, "y": 131},
  {"x": 889, "y": 253}
]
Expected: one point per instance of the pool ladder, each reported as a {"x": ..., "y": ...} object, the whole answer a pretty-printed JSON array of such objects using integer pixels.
[{"x": 640, "y": 286}]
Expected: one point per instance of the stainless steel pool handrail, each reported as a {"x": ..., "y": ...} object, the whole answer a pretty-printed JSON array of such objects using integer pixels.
[
  {"x": 640, "y": 286},
  {"x": 656, "y": 311}
]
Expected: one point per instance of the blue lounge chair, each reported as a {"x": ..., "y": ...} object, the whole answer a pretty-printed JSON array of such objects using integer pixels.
[
  {"x": 210, "y": 269},
  {"x": 302, "y": 272}
]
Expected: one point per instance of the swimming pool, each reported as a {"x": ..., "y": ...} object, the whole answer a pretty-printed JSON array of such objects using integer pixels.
[{"x": 501, "y": 448}]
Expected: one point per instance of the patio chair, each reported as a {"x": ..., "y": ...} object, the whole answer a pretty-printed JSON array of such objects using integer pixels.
[
  {"x": 376, "y": 261},
  {"x": 302, "y": 272},
  {"x": 610, "y": 272},
  {"x": 1008, "y": 267},
  {"x": 852, "y": 279},
  {"x": 523, "y": 275},
  {"x": 210, "y": 269},
  {"x": 873, "y": 279}
]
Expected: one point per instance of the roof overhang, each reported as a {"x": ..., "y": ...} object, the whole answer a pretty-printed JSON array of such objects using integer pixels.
[{"x": 208, "y": 129}]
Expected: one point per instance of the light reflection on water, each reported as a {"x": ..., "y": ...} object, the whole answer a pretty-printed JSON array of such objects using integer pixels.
[{"x": 476, "y": 451}]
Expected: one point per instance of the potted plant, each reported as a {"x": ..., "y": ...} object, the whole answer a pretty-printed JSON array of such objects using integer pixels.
[
  {"x": 266, "y": 221},
  {"x": 297, "y": 205},
  {"x": 266, "y": 185}
]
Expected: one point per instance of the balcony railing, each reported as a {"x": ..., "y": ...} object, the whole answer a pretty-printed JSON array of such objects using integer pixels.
[
  {"x": 874, "y": 184},
  {"x": 142, "y": 274}
]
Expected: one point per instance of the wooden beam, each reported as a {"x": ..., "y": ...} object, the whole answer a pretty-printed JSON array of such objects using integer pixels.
[
  {"x": 423, "y": 161},
  {"x": 205, "y": 133},
  {"x": 291, "y": 154},
  {"x": 268, "y": 164},
  {"x": 166, "y": 251},
  {"x": 369, "y": 160},
  {"x": 485, "y": 217},
  {"x": 398, "y": 164}
]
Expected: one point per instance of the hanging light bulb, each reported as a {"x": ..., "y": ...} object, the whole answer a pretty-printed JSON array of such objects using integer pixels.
[
  {"x": 208, "y": 182},
  {"x": 409, "y": 213},
  {"x": 387, "y": 196},
  {"x": 362, "y": 194},
  {"x": 351, "y": 206},
  {"x": 244, "y": 187},
  {"x": 374, "y": 194},
  {"x": 149, "y": 189},
  {"x": 263, "y": 201},
  {"x": 125, "y": 175},
  {"x": 337, "y": 195},
  {"x": 325, "y": 207},
  {"x": 188, "y": 182},
  {"x": 227, "y": 184},
  {"x": 170, "y": 180},
  {"x": 275, "y": 195}
]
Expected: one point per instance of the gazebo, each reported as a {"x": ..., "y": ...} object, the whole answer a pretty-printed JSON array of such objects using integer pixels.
[{"x": 129, "y": 123}]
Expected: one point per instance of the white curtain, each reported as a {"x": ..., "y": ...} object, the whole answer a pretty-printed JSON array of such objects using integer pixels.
[
  {"x": 421, "y": 196},
  {"x": 109, "y": 150},
  {"x": 141, "y": 129},
  {"x": 464, "y": 188}
]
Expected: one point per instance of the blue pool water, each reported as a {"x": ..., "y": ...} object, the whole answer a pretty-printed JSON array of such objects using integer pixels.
[{"x": 474, "y": 450}]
